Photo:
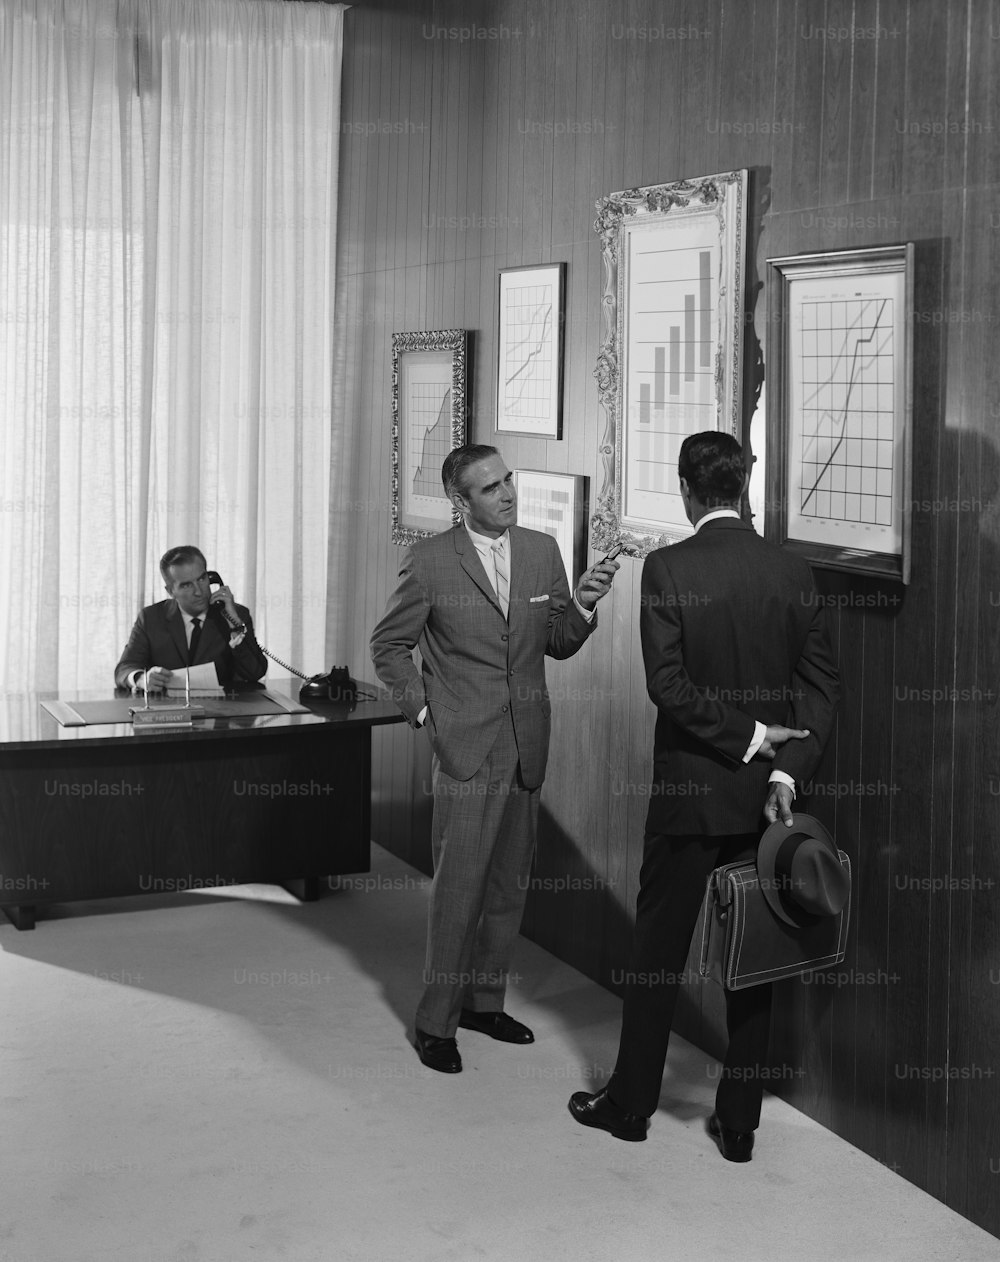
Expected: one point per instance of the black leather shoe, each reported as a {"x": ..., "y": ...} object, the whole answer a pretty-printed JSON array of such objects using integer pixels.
[
  {"x": 498, "y": 1025},
  {"x": 437, "y": 1053},
  {"x": 601, "y": 1111},
  {"x": 734, "y": 1145}
]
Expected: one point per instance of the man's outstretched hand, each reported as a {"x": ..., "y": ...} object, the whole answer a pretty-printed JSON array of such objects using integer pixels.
[{"x": 776, "y": 737}]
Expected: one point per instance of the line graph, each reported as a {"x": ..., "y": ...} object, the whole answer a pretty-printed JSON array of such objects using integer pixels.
[
  {"x": 840, "y": 410},
  {"x": 528, "y": 366},
  {"x": 431, "y": 436},
  {"x": 529, "y": 328},
  {"x": 847, "y": 357}
]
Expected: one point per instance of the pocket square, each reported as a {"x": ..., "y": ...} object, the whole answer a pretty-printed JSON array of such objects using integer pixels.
[{"x": 534, "y": 599}]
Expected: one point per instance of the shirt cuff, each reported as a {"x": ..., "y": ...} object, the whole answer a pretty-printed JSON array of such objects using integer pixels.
[
  {"x": 782, "y": 777},
  {"x": 759, "y": 732},
  {"x": 422, "y": 717},
  {"x": 588, "y": 614}
]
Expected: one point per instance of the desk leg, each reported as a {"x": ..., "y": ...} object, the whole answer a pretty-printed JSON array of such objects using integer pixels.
[
  {"x": 304, "y": 888},
  {"x": 20, "y": 915}
]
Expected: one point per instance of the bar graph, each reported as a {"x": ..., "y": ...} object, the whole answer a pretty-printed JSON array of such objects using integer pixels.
[
  {"x": 697, "y": 350},
  {"x": 670, "y": 390}
]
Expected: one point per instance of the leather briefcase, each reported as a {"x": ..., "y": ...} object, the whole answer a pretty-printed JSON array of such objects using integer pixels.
[{"x": 743, "y": 943}]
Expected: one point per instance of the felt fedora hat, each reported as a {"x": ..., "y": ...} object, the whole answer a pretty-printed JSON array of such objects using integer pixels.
[{"x": 800, "y": 871}]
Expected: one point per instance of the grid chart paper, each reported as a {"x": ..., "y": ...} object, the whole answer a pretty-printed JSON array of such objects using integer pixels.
[
  {"x": 671, "y": 391},
  {"x": 528, "y": 362},
  {"x": 549, "y": 512},
  {"x": 430, "y": 435},
  {"x": 846, "y": 465}
]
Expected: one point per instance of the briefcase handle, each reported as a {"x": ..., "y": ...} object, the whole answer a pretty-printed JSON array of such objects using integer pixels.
[{"x": 721, "y": 886}]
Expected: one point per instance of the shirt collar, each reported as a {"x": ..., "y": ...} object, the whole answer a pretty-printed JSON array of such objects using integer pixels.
[
  {"x": 714, "y": 514},
  {"x": 483, "y": 542}
]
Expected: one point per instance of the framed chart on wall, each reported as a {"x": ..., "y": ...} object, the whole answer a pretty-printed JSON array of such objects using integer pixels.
[
  {"x": 671, "y": 361},
  {"x": 556, "y": 504},
  {"x": 839, "y": 412},
  {"x": 530, "y": 350},
  {"x": 429, "y": 373}
]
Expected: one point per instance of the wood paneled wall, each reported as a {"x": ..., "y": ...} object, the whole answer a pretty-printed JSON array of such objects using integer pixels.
[{"x": 477, "y": 137}]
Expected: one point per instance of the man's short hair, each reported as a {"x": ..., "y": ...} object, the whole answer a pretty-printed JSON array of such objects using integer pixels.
[
  {"x": 458, "y": 461},
  {"x": 712, "y": 465},
  {"x": 180, "y": 556}
]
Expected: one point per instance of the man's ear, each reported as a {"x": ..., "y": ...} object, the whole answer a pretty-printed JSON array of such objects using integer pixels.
[{"x": 459, "y": 501}]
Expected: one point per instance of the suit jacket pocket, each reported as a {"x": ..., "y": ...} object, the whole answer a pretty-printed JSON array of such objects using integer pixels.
[{"x": 440, "y": 715}]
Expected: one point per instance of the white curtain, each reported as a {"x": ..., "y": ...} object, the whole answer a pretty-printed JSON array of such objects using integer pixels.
[{"x": 168, "y": 207}]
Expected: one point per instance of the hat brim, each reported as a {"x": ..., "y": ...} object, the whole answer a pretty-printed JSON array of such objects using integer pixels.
[{"x": 773, "y": 839}]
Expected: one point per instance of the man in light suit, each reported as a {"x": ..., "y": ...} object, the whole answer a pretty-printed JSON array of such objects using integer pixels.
[
  {"x": 194, "y": 627},
  {"x": 485, "y": 602},
  {"x": 735, "y": 647}
]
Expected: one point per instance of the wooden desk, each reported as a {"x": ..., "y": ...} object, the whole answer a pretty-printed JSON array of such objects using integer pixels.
[{"x": 104, "y": 811}]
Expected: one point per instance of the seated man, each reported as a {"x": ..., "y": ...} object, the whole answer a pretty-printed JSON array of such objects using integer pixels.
[{"x": 193, "y": 627}]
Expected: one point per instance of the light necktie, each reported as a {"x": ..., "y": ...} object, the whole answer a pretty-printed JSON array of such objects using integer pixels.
[
  {"x": 195, "y": 637},
  {"x": 502, "y": 578}
]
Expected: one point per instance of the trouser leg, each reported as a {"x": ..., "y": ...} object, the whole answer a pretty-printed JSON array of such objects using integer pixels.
[
  {"x": 475, "y": 865},
  {"x": 503, "y": 906},
  {"x": 748, "y": 1018},
  {"x": 675, "y": 870},
  {"x": 671, "y": 887}
]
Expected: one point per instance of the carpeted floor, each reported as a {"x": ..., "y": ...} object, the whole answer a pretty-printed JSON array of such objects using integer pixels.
[{"x": 226, "y": 1077}]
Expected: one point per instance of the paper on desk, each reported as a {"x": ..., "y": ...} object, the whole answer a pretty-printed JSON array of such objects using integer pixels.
[{"x": 204, "y": 681}]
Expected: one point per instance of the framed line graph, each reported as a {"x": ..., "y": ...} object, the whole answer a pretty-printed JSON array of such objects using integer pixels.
[
  {"x": 839, "y": 412},
  {"x": 429, "y": 373},
  {"x": 671, "y": 361},
  {"x": 530, "y": 328}
]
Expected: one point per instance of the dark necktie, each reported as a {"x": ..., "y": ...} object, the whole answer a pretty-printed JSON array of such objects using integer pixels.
[{"x": 195, "y": 637}]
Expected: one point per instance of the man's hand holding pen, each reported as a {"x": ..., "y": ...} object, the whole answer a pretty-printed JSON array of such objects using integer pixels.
[{"x": 596, "y": 582}]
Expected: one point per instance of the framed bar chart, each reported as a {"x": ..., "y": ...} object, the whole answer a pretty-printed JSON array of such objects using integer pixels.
[
  {"x": 556, "y": 504},
  {"x": 671, "y": 364}
]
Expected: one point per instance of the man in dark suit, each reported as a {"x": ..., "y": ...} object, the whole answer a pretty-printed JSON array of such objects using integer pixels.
[
  {"x": 485, "y": 602},
  {"x": 194, "y": 627},
  {"x": 740, "y": 668}
]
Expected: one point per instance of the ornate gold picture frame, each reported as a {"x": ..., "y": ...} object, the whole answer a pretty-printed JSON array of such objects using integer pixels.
[{"x": 671, "y": 361}]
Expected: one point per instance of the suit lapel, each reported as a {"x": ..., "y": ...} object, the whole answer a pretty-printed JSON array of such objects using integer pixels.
[
  {"x": 209, "y": 642},
  {"x": 469, "y": 559},
  {"x": 175, "y": 625}
]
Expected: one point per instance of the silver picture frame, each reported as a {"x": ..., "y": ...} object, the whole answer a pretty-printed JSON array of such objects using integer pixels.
[{"x": 429, "y": 419}]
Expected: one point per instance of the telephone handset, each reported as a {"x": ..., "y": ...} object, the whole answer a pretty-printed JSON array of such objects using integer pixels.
[
  {"x": 337, "y": 686},
  {"x": 216, "y": 607}
]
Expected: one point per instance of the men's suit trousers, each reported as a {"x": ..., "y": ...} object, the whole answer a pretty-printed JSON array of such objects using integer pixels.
[
  {"x": 675, "y": 871},
  {"x": 483, "y": 836}
]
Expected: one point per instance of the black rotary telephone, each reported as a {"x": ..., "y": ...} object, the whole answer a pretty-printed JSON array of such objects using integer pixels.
[{"x": 337, "y": 686}]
